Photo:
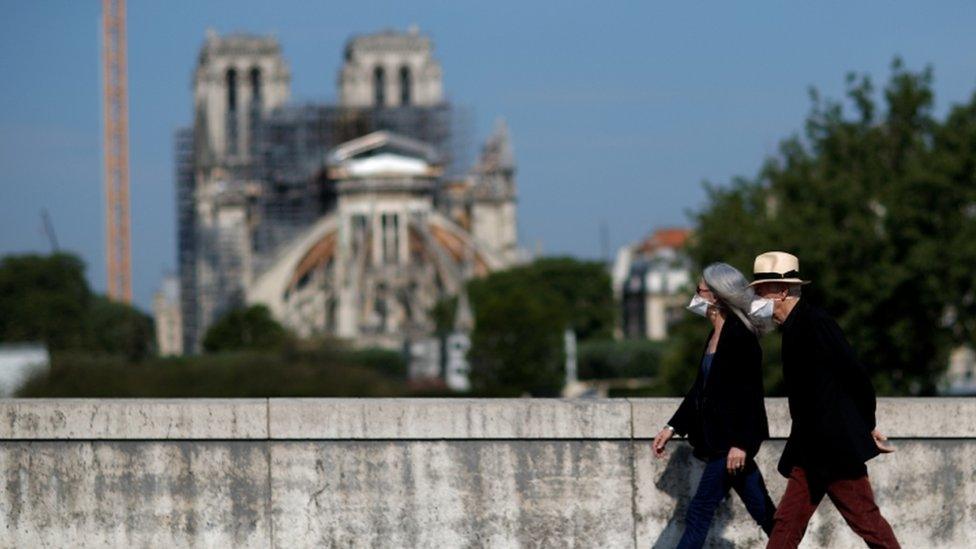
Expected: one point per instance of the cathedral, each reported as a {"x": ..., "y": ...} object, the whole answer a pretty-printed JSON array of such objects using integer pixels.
[{"x": 348, "y": 220}]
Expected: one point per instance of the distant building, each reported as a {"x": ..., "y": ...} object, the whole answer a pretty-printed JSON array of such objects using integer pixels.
[
  {"x": 17, "y": 362},
  {"x": 651, "y": 283},
  {"x": 372, "y": 268},
  {"x": 348, "y": 220},
  {"x": 960, "y": 377},
  {"x": 168, "y": 320},
  {"x": 390, "y": 69}
]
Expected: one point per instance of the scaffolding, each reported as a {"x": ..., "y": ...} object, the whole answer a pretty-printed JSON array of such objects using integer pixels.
[
  {"x": 294, "y": 142},
  {"x": 286, "y": 190},
  {"x": 186, "y": 231}
]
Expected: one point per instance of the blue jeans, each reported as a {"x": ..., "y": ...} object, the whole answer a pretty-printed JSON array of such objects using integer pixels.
[{"x": 714, "y": 487}]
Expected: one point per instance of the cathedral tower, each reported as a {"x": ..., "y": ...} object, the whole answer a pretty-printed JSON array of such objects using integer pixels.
[
  {"x": 239, "y": 78},
  {"x": 493, "y": 215},
  {"x": 390, "y": 69}
]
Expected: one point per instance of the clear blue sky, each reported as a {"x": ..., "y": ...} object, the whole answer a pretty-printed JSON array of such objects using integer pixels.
[{"x": 618, "y": 111}]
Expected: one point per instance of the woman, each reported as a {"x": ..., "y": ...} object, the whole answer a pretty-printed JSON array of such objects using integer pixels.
[{"x": 723, "y": 415}]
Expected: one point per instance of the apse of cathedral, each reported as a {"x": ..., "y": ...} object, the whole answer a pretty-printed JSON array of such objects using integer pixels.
[{"x": 349, "y": 220}]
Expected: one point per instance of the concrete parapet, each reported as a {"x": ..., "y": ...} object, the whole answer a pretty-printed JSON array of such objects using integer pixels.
[
  {"x": 427, "y": 473},
  {"x": 144, "y": 419},
  {"x": 937, "y": 417},
  {"x": 425, "y": 419}
]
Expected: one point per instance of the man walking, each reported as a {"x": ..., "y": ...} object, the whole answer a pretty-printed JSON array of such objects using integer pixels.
[{"x": 832, "y": 405}]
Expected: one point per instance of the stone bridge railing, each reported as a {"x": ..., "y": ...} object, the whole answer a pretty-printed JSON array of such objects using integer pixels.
[{"x": 426, "y": 473}]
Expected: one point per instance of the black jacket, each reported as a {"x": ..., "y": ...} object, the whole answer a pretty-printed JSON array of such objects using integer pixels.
[
  {"x": 727, "y": 408},
  {"x": 831, "y": 398}
]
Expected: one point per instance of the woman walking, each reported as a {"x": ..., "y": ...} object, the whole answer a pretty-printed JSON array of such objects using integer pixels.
[{"x": 723, "y": 415}]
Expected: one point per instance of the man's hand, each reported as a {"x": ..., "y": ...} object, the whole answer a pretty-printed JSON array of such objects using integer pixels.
[
  {"x": 879, "y": 441},
  {"x": 661, "y": 440},
  {"x": 736, "y": 460}
]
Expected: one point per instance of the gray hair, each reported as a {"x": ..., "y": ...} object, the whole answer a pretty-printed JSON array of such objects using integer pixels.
[{"x": 733, "y": 292}]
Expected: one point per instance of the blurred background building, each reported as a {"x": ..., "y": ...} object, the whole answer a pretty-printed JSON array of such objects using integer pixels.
[
  {"x": 346, "y": 220},
  {"x": 651, "y": 283},
  {"x": 18, "y": 361},
  {"x": 168, "y": 321},
  {"x": 960, "y": 377}
]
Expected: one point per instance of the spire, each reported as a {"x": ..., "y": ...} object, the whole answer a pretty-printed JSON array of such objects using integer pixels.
[{"x": 498, "y": 152}]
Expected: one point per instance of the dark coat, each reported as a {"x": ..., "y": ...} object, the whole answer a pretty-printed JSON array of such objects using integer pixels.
[
  {"x": 831, "y": 398},
  {"x": 727, "y": 408}
]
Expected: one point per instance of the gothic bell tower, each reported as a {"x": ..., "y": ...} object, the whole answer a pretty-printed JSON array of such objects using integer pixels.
[
  {"x": 390, "y": 69},
  {"x": 239, "y": 78}
]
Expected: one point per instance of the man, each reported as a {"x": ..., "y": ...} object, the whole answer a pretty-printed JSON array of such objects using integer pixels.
[{"x": 832, "y": 406}]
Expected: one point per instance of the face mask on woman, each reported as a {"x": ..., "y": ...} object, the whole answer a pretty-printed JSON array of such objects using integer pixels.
[{"x": 699, "y": 306}]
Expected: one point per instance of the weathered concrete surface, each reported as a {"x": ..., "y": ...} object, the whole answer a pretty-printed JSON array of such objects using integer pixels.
[
  {"x": 426, "y": 473},
  {"x": 134, "y": 494},
  {"x": 926, "y": 490},
  {"x": 437, "y": 418},
  {"x": 452, "y": 494},
  {"x": 119, "y": 419},
  {"x": 937, "y": 417}
]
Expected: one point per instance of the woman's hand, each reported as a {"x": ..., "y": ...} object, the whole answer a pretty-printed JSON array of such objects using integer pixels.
[
  {"x": 661, "y": 440},
  {"x": 879, "y": 441},
  {"x": 736, "y": 460}
]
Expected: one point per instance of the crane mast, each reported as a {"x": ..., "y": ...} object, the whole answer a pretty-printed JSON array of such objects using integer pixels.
[{"x": 116, "y": 151}]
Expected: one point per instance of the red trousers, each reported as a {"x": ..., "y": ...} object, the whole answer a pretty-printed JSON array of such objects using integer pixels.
[{"x": 852, "y": 497}]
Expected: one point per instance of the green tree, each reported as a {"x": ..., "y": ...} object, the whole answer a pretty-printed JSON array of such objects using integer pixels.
[
  {"x": 520, "y": 315},
  {"x": 44, "y": 298},
  {"x": 47, "y": 299},
  {"x": 955, "y": 158},
  {"x": 320, "y": 370},
  {"x": 247, "y": 328},
  {"x": 516, "y": 346},
  {"x": 878, "y": 202},
  {"x": 119, "y": 329},
  {"x": 607, "y": 358}
]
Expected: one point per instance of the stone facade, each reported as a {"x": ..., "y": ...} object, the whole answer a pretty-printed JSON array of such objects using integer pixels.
[
  {"x": 273, "y": 210},
  {"x": 390, "y": 69},
  {"x": 373, "y": 268},
  {"x": 238, "y": 80},
  {"x": 492, "y": 212}
]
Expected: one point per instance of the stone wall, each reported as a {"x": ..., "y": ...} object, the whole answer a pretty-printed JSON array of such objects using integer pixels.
[{"x": 426, "y": 473}]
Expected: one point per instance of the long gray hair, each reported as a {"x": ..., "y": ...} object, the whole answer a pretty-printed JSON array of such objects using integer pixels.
[{"x": 732, "y": 290}]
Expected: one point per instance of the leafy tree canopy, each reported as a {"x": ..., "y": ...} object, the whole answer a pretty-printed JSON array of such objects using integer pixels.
[
  {"x": 47, "y": 299},
  {"x": 247, "y": 328},
  {"x": 877, "y": 198},
  {"x": 520, "y": 316}
]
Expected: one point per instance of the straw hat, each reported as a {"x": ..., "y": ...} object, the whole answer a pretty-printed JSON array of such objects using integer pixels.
[{"x": 777, "y": 267}]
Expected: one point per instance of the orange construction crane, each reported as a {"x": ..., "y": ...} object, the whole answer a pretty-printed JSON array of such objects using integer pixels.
[{"x": 116, "y": 150}]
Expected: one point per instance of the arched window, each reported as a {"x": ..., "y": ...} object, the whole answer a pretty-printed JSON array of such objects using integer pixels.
[
  {"x": 379, "y": 87},
  {"x": 231, "y": 90},
  {"x": 256, "y": 85},
  {"x": 231, "y": 121},
  {"x": 406, "y": 90},
  {"x": 254, "y": 116},
  {"x": 390, "y": 238}
]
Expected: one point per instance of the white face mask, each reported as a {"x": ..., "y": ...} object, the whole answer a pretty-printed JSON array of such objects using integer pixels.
[
  {"x": 761, "y": 308},
  {"x": 699, "y": 306}
]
